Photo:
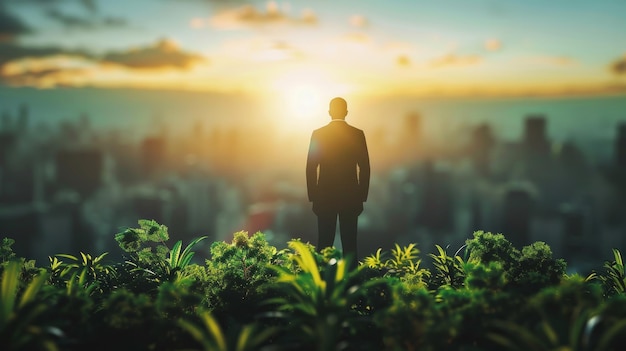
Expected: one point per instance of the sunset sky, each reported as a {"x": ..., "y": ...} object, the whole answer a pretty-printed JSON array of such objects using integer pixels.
[{"x": 317, "y": 48}]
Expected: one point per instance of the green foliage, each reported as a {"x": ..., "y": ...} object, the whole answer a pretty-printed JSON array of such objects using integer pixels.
[
  {"x": 87, "y": 272},
  {"x": 525, "y": 271},
  {"x": 485, "y": 276},
  {"x": 212, "y": 336},
  {"x": 133, "y": 239},
  {"x": 320, "y": 310},
  {"x": 614, "y": 277},
  {"x": 536, "y": 268},
  {"x": 238, "y": 273},
  {"x": 487, "y": 247},
  {"x": 404, "y": 264},
  {"x": 250, "y": 296},
  {"x": 560, "y": 317},
  {"x": 21, "y": 326},
  {"x": 149, "y": 264},
  {"x": 450, "y": 271},
  {"x": 181, "y": 259},
  {"x": 6, "y": 251}
]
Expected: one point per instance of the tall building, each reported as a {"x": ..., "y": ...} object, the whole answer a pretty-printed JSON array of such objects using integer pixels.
[
  {"x": 79, "y": 170},
  {"x": 517, "y": 213},
  {"x": 535, "y": 140},
  {"x": 481, "y": 147},
  {"x": 152, "y": 155},
  {"x": 620, "y": 146}
]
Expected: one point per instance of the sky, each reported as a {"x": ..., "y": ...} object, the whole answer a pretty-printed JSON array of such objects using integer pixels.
[{"x": 307, "y": 50}]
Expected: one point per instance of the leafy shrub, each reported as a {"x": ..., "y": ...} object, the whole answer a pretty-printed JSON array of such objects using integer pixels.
[
  {"x": 525, "y": 271},
  {"x": 238, "y": 275},
  {"x": 250, "y": 296},
  {"x": 403, "y": 264}
]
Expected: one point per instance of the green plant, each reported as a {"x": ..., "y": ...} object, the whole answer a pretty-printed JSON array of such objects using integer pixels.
[
  {"x": 404, "y": 264},
  {"x": 559, "y": 317},
  {"x": 6, "y": 251},
  {"x": 88, "y": 271},
  {"x": 488, "y": 247},
  {"x": 181, "y": 259},
  {"x": 614, "y": 278},
  {"x": 238, "y": 274},
  {"x": 150, "y": 260},
  {"x": 535, "y": 269},
  {"x": 450, "y": 270},
  {"x": 213, "y": 338},
  {"x": 320, "y": 308},
  {"x": 20, "y": 324}
]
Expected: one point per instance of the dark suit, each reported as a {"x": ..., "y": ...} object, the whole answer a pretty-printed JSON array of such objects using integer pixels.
[{"x": 338, "y": 176}]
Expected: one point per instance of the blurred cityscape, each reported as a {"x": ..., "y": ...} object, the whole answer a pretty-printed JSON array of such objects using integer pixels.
[{"x": 70, "y": 187}]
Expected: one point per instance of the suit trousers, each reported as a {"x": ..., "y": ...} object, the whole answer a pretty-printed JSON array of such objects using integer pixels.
[{"x": 326, "y": 226}]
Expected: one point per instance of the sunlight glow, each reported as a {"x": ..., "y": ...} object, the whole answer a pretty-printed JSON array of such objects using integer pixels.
[{"x": 303, "y": 95}]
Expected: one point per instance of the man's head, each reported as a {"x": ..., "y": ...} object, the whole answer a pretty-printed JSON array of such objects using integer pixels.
[{"x": 338, "y": 108}]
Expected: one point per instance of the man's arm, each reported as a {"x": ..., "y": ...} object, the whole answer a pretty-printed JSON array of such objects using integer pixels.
[
  {"x": 312, "y": 162},
  {"x": 364, "y": 168}
]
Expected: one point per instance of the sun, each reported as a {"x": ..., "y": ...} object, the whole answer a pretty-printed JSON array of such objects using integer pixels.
[
  {"x": 302, "y": 95},
  {"x": 303, "y": 99}
]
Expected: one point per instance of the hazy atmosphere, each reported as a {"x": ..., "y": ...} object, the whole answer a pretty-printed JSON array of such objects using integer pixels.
[{"x": 502, "y": 116}]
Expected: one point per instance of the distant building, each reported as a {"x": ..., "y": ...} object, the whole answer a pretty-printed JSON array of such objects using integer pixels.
[
  {"x": 482, "y": 144},
  {"x": 79, "y": 170},
  {"x": 620, "y": 146},
  {"x": 517, "y": 213},
  {"x": 536, "y": 142},
  {"x": 152, "y": 155}
]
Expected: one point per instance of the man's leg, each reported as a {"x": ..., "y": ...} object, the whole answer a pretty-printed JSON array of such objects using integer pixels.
[
  {"x": 326, "y": 226},
  {"x": 348, "y": 230}
]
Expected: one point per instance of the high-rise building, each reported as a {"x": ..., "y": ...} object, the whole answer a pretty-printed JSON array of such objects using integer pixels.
[
  {"x": 517, "y": 214},
  {"x": 536, "y": 141},
  {"x": 79, "y": 170},
  {"x": 620, "y": 146}
]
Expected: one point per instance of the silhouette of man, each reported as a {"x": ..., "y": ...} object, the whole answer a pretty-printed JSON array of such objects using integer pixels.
[{"x": 338, "y": 177}]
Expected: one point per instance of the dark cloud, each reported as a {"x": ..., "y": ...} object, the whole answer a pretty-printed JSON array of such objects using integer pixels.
[
  {"x": 11, "y": 25},
  {"x": 164, "y": 54},
  {"x": 44, "y": 78},
  {"x": 619, "y": 66},
  {"x": 11, "y": 52},
  {"x": 84, "y": 22},
  {"x": 70, "y": 21},
  {"x": 89, "y": 5}
]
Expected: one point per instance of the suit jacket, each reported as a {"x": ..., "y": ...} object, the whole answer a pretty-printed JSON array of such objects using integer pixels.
[{"x": 338, "y": 168}]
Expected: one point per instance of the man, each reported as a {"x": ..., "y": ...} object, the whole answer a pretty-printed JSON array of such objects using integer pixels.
[{"x": 338, "y": 176}]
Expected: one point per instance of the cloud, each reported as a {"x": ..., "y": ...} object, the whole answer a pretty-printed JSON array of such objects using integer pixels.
[
  {"x": 553, "y": 60},
  {"x": 619, "y": 66},
  {"x": 359, "y": 21},
  {"x": 493, "y": 44},
  {"x": 70, "y": 21},
  {"x": 89, "y": 5},
  {"x": 50, "y": 66},
  {"x": 259, "y": 49},
  {"x": 360, "y": 38},
  {"x": 164, "y": 54},
  {"x": 453, "y": 59},
  {"x": 403, "y": 61},
  {"x": 46, "y": 78},
  {"x": 11, "y": 52},
  {"x": 80, "y": 22},
  {"x": 10, "y": 25},
  {"x": 250, "y": 16}
]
